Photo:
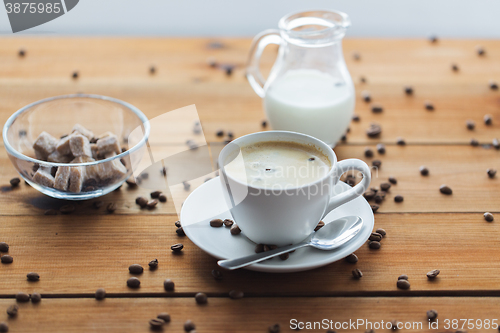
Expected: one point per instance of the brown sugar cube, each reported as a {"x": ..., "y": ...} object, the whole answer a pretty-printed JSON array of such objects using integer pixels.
[
  {"x": 76, "y": 179},
  {"x": 80, "y": 146},
  {"x": 83, "y": 131},
  {"x": 113, "y": 169},
  {"x": 108, "y": 155},
  {"x": 43, "y": 177},
  {"x": 44, "y": 145},
  {"x": 105, "y": 134},
  {"x": 93, "y": 149},
  {"x": 63, "y": 145},
  {"x": 108, "y": 144},
  {"x": 83, "y": 159},
  {"x": 62, "y": 178},
  {"x": 56, "y": 157}
]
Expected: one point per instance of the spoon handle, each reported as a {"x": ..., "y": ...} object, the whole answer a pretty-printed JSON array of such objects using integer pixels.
[{"x": 258, "y": 257}]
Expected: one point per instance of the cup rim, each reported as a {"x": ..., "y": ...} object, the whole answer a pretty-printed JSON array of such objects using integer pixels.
[
  {"x": 346, "y": 22},
  {"x": 320, "y": 143},
  {"x": 142, "y": 117}
]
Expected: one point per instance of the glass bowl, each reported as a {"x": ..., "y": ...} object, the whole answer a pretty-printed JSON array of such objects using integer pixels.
[{"x": 88, "y": 178}]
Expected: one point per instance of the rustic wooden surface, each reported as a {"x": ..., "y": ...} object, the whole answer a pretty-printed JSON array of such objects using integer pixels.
[{"x": 76, "y": 254}]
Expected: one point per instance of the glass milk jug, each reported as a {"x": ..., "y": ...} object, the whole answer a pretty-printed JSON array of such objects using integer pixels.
[{"x": 309, "y": 89}]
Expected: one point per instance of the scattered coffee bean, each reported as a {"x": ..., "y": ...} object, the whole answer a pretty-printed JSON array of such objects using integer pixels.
[
  {"x": 445, "y": 189},
  {"x": 75, "y": 75},
  {"x": 491, "y": 173},
  {"x": 374, "y": 208},
  {"x": 355, "y": 118},
  {"x": 370, "y": 194},
  {"x": 454, "y": 67},
  {"x": 36, "y": 298},
  {"x": 67, "y": 209},
  {"x": 4, "y": 328},
  {"x": 236, "y": 294},
  {"x": 400, "y": 141},
  {"x": 162, "y": 197},
  {"x": 429, "y": 106},
  {"x": 178, "y": 224},
  {"x": 97, "y": 204},
  {"x": 259, "y": 248},
  {"x": 374, "y": 131},
  {"x": 480, "y": 50},
  {"x": 235, "y": 230},
  {"x": 403, "y": 284},
  {"x": 376, "y": 108},
  {"x": 394, "y": 325},
  {"x": 187, "y": 186},
  {"x": 409, "y": 90},
  {"x": 433, "y": 274},
  {"x": 474, "y": 142},
  {"x": 100, "y": 294},
  {"x": 365, "y": 95},
  {"x": 153, "y": 264},
  {"x": 379, "y": 197},
  {"x": 263, "y": 124},
  {"x": 152, "y": 203},
  {"x": 356, "y": 56},
  {"x": 320, "y": 225},
  {"x": 180, "y": 232},
  {"x": 141, "y": 201},
  {"x": 6, "y": 259},
  {"x": 432, "y": 315},
  {"x": 488, "y": 119},
  {"x": 155, "y": 194},
  {"x": 217, "y": 274},
  {"x": 393, "y": 180},
  {"x": 496, "y": 144},
  {"x": 156, "y": 323},
  {"x": 164, "y": 316},
  {"x": 398, "y": 198},
  {"x": 433, "y": 39},
  {"x": 284, "y": 256},
  {"x": 228, "y": 222},
  {"x": 111, "y": 207},
  {"x": 216, "y": 223},
  {"x": 381, "y": 148},
  {"x": 135, "y": 269},
  {"x": 189, "y": 326},
  {"x": 352, "y": 258},
  {"x": 493, "y": 85},
  {"x": 375, "y": 237},
  {"x": 177, "y": 247},
  {"x": 14, "y": 182},
  {"x": 357, "y": 274},
  {"x": 219, "y": 133},
  {"x": 201, "y": 298},
  {"x": 488, "y": 217},
  {"x": 376, "y": 163},
  {"x": 12, "y": 310},
  {"x": 168, "y": 285},
  {"x": 424, "y": 171},
  {"x": 385, "y": 186},
  {"x": 22, "y": 297},
  {"x": 133, "y": 282},
  {"x": 368, "y": 152},
  {"x": 403, "y": 277},
  {"x": 470, "y": 125},
  {"x": 21, "y": 53},
  {"x": 374, "y": 245},
  {"x": 164, "y": 171},
  {"x": 381, "y": 231},
  {"x": 33, "y": 276},
  {"x": 362, "y": 79},
  {"x": 276, "y": 328},
  {"x": 4, "y": 247}
]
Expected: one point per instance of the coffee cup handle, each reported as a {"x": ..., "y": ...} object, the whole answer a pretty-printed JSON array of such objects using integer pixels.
[{"x": 356, "y": 191}]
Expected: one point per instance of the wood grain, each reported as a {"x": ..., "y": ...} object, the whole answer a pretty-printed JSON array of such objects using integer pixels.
[{"x": 248, "y": 314}]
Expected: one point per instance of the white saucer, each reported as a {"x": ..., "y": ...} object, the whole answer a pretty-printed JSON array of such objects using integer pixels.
[{"x": 207, "y": 202}]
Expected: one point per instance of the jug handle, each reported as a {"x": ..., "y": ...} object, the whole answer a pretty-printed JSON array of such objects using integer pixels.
[{"x": 259, "y": 43}]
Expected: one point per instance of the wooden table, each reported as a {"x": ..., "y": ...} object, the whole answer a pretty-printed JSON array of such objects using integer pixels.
[{"x": 79, "y": 253}]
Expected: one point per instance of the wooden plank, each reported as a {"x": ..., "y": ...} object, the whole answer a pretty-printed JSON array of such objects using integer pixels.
[
  {"x": 77, "y": 254},
  {"x": 253, "y": 315},
  {"x": 119, "y": 68}
]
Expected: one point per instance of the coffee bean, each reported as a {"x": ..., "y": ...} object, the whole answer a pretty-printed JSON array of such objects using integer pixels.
[
  {"x": 14, "y": 182},
  {"x": 491, "y": 173},
  {"x": 403, "y": 277},
  {"x": 236, "y": 294},
  {"x": 393, "y": 180},
  {"x": 276, "y": 328},
  {"x": 164, "y": 316},
  {"x": 155, "y": 194},
  {"x": 488, "y": 119},
  {"x": 400, "y": 141},
  {"x": 156, "y": 323},
  {"x": 235, "y": 230},
  {"x": 429, "y": 106},
  {"x": 377, "y": 163},
  {"x": 216, "y": 223},
  {"x": 432, "y": 315},
  {"x": 365, "y": 95},
  {"x": 399, "y": 198},
  {"x": 356, "y": 56},
  {"x": 374, "y": 131},
  {"x": 409, "y": 90},
  {"x": 259, "y": 248},
  {"x": 133, "y": 282},
  {"x": 162, "y": 197},
  {"x": 424, "y": 171},
  {"x": 381, "y": 148},
  {"x": 376, "y": 108},
  {"x": 352, "y": 258},
  {"x": 284, "y": 256},
  {"x": 141, "y": 201},
  {"x": 368, "y": 152},
  {"x": 355, "y": 118},
  {"x": 4, "y": 247},
  {"x": 219, "y": 133},
  {"x": 496, "y": 144},
  {"x": 153, "y": 264},
  {"x": 189, "y": 326},
  {"x": 177, "y": 247},
  {"x": 67, "y": 209},
  {"x": 362, "y": 79},
  {"x": 12, "y": 310},
  {"x": 374, "y": 208},
  {"x": 470, "y": 125},
  {"x": 163, "y": 171},
  {"x": 152, "y": 203},
  {"x": 131, "y": 182},
  {"x": 454, "y": 67},
  {"x": 230, "y": 135},
  {"x": 111, "y": 207},
  {"x": 152, "y": 70},
  {"x": 381, "y": 231},
  {"x": 263, "y": 124},
  {"x": 374, "y": 245},
  {"x": 403, "y": 284},
  {"x": 480, "y": 50},
  {"x": 4, "y": 328},
  {"x": 357, "y": 274},
  {"x": 135, "y": 269},
  {"x": 432, "y": 274},
  {"x": 75, "y": 75},
  {"x": 394, "y": 325},
  {"x": 33, "y": 276},
  {"x": 493, "y": 85},
  {"x": 100, "y": 294},
  {"x": 36, "y": 298},
  {"x": 178, "y": 224},
  {"x": 201, "y": 298},
  {"x": 474, "y": 142},
  {"x": 488, "y": 217},
  {"x": 168, "y": 285},
  {"x": 217, "y": 274},
  {"x": 445, "y": 189},
  {"x": 379, "y": 197},
  {"x": 6, "y": 259},
  {"x": 22, "y": 297},
  {"x": 385, "y": 186},
  {"x": 180, "y": 232},
  {"x": 186, "y": 185},
  {"x": 320, "y": 225},
  {"x": 433, "y": 39},
  {"x": 228, "y": 222},
  {"x": 369, "y": 194},
  {"x": 375, "y": 237},
  {"x": 97, "y": 204}
]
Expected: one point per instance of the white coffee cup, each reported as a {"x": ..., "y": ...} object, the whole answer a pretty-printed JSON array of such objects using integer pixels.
[{"x": 286, "y": 216}]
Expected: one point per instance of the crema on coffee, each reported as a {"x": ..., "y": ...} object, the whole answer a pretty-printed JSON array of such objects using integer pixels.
[{"x": 277, "y": 164}]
